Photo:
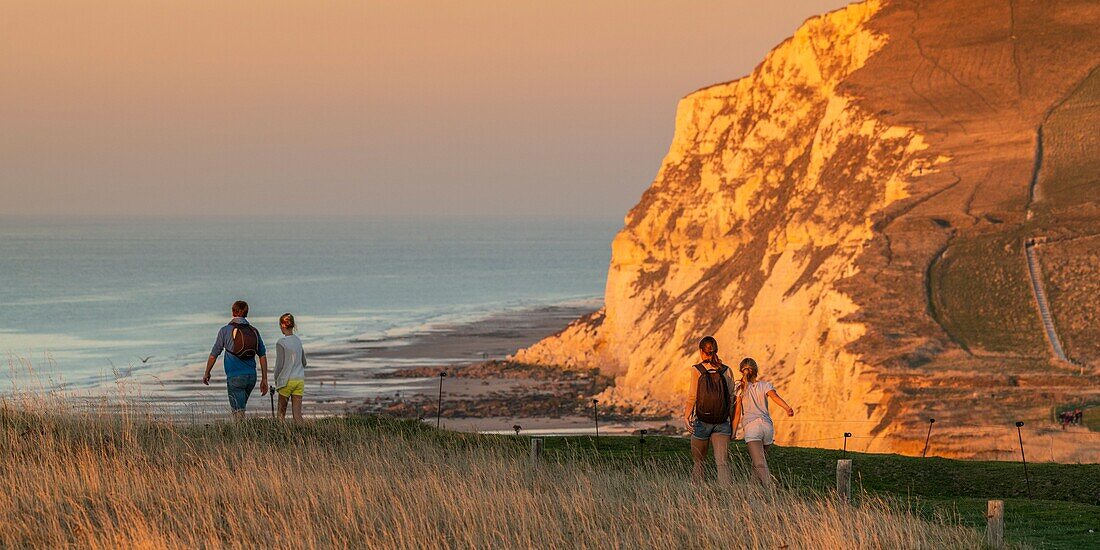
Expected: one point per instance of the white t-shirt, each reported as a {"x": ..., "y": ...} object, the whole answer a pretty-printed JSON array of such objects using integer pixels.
[
  {"x": 754, "y": 402},
  {"x": 290, "y": 361}
]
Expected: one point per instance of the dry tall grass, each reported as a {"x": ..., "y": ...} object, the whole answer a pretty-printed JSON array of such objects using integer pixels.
[{"x": 107, "y": 482}]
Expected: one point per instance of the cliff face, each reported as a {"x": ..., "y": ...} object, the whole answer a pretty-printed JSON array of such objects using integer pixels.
[{"x": 813, "y": 213}]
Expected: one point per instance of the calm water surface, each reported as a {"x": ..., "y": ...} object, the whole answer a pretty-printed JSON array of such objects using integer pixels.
[{"x": 87, "y": 298}]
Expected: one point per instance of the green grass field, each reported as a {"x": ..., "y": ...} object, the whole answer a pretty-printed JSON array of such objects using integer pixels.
[{"x": 1065, "y": 501}]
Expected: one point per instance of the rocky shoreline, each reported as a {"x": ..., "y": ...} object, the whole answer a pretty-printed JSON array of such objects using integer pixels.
[{"x": 536, "y": 392}]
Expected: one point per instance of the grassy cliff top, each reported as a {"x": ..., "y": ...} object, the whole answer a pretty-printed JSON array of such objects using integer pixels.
[{"x": 96, "y": 481}]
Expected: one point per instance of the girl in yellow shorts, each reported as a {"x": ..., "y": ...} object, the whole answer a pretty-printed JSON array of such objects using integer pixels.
[{"x": 290, "y": 368}]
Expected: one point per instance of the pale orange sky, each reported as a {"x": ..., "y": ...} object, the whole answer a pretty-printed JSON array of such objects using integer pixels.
[{"x": 189, "y": 107}]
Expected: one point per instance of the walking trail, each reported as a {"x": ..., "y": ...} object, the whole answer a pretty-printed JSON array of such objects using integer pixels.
[{"x": 1035, "y": 270}]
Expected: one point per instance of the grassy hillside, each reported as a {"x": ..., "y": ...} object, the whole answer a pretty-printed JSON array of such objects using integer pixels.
[
  {"x": 1070, "y": 173},
  {"x": 367, "y": 481},
  {"x": 982, "y": 294},
  {"x": 1069, "y": 196},
  {"x": 980, "y": 286},
  {"x": 1070, "y": 269}
]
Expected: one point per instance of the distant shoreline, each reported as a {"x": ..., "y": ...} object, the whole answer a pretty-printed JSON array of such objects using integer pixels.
[{"x": 344, "y": 377}]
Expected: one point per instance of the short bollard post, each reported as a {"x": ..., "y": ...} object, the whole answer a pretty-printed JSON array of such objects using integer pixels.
[
  {"x": 844, "y": 479},
  {"x": 536, "y": 450},
  {"x": 995, "y": 523}
]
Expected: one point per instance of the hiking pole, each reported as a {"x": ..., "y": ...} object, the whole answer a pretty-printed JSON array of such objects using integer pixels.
[
  {"x": 1020, "y": 433},
  {"x": 596, "y": 417},
  {"x": 439, "y": 404},
  {"x": 272, "y": 394},
  {"x": 927, "y": 437}
]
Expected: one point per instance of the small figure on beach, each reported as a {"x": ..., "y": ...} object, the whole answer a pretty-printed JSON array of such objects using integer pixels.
[
  {"x": 708, "y": 410},
  {"x": 290, "y": 368},
  {"x": 242, "y": 345},
  {"x": 751, "y": 413}
]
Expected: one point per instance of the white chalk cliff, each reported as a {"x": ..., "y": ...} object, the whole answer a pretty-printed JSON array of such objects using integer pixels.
[{"x": 796, "y": 217}]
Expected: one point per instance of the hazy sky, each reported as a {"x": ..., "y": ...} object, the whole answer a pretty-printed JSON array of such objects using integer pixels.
[{"x": 196, "y": 107}]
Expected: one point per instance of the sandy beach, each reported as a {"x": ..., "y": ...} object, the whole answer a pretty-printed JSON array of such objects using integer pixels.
[{"x": 398, "y": 375}]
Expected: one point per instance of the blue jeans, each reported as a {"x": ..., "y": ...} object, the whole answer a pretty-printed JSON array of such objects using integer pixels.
[
  {"x": 703, "y": 430},
  {"x": 240, "y": 387}
]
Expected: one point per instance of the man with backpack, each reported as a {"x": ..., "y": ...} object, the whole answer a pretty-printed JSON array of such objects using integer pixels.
[
  {"x": 708, "y": 411},
  {"x": 242, "y": 344}
]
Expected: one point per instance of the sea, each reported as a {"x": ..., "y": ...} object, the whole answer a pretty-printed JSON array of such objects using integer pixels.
[{"x": 86, "y": 300}]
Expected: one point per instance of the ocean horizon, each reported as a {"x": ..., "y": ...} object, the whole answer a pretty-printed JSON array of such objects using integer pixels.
[{"x": 85, "y": 300}]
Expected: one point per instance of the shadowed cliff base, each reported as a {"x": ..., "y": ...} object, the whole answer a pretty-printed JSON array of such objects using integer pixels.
[{"x": 853, "y": 214}]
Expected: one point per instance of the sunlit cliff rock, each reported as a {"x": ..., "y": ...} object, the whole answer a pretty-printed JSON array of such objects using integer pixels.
[{"x": 851, "y": 214}]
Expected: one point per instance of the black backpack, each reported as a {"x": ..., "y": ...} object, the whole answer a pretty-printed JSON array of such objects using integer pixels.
[
  {"x": 244, "y": 340},
  {"x": 712, "y": 396}
]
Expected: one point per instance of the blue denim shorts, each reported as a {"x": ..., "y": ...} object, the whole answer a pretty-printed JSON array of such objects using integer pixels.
[
  {"x": 703, "y": 430},
  {"x": 240, "y": 387}
]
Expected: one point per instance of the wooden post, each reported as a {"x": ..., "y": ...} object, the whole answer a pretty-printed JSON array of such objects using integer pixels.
[
  {"x": 536, "y": 450},
  {"x": 844, "y": 479},
  {"x": 995, "y": 523}
]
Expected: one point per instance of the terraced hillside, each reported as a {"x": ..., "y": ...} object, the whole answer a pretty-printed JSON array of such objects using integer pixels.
[{"x": 853, "y": 214}]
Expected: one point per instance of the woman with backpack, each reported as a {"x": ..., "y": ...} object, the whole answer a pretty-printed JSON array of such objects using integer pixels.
[
  {"x": 290, "y": 368},
  {"x": 753, "y": 416},
  {"x": 708, "y": 410}
]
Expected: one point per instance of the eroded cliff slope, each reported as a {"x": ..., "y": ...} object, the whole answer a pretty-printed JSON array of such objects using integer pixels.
[{"x": 852, "y": 214}]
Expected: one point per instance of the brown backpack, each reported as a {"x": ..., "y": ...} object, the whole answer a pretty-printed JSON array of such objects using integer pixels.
[
  {"x": 245, "y": 339},
  {"x": 712, "y": 396}
]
